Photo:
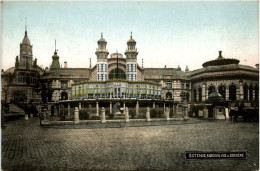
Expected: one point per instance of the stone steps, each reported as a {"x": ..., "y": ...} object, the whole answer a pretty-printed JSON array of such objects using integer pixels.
[{"x": 15, "y": 109}]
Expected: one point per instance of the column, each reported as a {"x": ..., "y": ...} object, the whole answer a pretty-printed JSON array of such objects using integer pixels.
[
  {"x": 97, "y": 108},
  {"x": 127, "y": 115},
  {"x": 110, "y": 111},
  {"x": 79, "y": 106},
  {"x": 68, "y": 109},
  {"x": 205, "y": 113},
  {"x": 167, "y": 112},
  {"x": 176, "y": 109},
  {"x": 148, "y": 114},
  {"x": 137, "y": 108},
  {"x": 124, "y": 107},
  {"x": 103, "y": 115},
  {"x": 204, "y": 92},
  {"x": 197, "y": 94},
  {"x": 154, "y": 105},
  {"x": 227, "y": 93},
  {"x": 26, "y": 117},
  {"x": 241, "y": 91},
  {"x": 76, "y": 115},
  {"x": 173, "y": 110},
  {"x": 164, "y": 108},
  {"x": 207, "y": 93}
]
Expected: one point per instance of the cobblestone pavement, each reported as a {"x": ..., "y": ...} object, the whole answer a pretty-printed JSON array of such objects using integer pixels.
[{"x": 27, "y": 146}]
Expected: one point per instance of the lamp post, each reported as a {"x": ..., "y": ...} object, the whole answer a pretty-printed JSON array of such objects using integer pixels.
[
  {"x": 44, "y": 120},
  {"x": 184, "y": 97}
]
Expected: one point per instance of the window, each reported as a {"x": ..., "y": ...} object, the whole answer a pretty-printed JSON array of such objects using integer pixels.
[
  {"x": 117, "y": 74},
  {"x": 169, "y": 85}
]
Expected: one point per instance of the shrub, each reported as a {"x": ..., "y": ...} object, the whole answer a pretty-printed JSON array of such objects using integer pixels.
[
  {"x": 83, "y": 115},
  {"x": 95, "y": 118},
  {"x": 161, "y": 114},
  {"x": 154, "y": 113},
  {"x": 132, "y": 113}
]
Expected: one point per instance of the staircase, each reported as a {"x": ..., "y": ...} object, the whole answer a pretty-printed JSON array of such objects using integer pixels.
[{"x": 14, "y": 109}]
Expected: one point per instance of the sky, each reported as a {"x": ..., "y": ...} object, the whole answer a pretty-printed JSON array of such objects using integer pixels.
[{"x": 167, "y": 33}]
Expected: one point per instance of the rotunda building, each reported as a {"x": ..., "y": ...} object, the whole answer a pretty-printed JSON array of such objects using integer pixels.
[{"x": 235, "y": 82}]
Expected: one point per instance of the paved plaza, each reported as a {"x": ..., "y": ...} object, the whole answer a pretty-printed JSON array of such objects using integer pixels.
[{"x": 27, "y": 146}]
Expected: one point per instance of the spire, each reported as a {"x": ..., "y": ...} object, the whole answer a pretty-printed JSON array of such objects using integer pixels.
[
  {"x": 131, "y": 35},
  {"x": 25, "y": 26},
  {"x": 101, "y": 35},
  {"x": 55, "y": 52}
]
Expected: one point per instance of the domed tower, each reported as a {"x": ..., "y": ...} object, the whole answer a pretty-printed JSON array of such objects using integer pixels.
[
  {"x": 26, "y": 57},
  {"x": 55, "y": 60},
  {"x": 102, "y": 64},
  {"x": 131, "y": 60}
]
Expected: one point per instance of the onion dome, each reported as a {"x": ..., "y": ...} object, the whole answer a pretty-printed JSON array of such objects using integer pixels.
[
  {"x": 116, "y": 55},
  {"x": 220, "y": 61},
  {"x": 55, "y": 61},
  {"x": 102, "y": 40},
  {"x": 131, "y": 40}
]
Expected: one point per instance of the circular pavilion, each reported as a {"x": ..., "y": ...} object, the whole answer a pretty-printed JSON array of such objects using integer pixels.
[{"x": 234, "y": 82}]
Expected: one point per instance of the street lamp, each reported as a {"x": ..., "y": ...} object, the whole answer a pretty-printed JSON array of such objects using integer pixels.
[{"x": 184, "y": 97}]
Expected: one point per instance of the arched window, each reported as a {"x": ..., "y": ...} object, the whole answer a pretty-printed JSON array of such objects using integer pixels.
[
  {"x": 251, "y": 92},
  {"x": 117, "y": 74},
  {"x": 200, "y": 94},
  {"x": 168, "y": 95},
  {"x": 211, "y": 89},
  {"x": 245, "y": 92},
  {"x": 64, "y": 96},
  {"x": 232, "y": 92},
  {"x": 256, "y": 92},
  {"x": 222, "y": 91},
  {"x": 195, "y": 95}
]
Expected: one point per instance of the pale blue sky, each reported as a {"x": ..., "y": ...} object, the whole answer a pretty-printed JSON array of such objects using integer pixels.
[{"x": 167, "y": 33}]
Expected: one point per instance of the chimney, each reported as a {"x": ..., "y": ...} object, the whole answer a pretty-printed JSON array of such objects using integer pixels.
[
  {"x": 65, "y": 64},
  {"x": 257, "y": 66}
]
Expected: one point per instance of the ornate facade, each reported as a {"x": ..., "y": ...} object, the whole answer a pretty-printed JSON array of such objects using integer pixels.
[
  {"x": 22, "y": 82},
  {"x": 235, "y": 82},
  {"x": 173, "y": 81},
  {"x": 27, "y": 82}
]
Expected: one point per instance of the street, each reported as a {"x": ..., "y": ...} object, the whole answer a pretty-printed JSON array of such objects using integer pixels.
[{"x": 28, "y": 146}]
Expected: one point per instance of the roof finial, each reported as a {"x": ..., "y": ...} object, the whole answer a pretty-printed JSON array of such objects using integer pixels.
[
  {"x": 25, "y": 26},
  {"x": 89, "y": 62},
  {"x": 55, "y": 52},
  {"x": 142, "y": 63},
  {"x": 220, "y": 54},
  {"x": 131, "y": 35},
  {"x": 101, "y": 35}
]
